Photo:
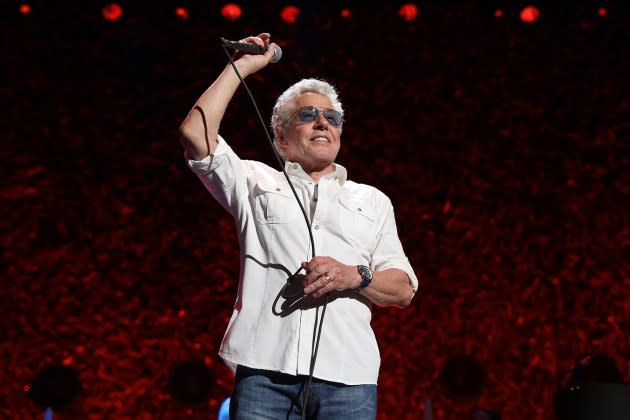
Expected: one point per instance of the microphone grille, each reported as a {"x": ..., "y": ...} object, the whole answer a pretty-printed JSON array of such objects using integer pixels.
[{"x": 277, "y": 54}]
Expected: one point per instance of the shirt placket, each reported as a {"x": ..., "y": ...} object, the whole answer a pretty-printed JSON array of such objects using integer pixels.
[{"x": 308, "y": 318}]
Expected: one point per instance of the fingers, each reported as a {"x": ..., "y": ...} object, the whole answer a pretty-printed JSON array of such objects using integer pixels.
[
  {"x": 325, "y": 280},
  {"x": 323, "y": 275},
  {"x": 321, "y": 285},
  {"x": 261, "y": 40},
  {"x": 316, "y": 277},
  {"x": 266, "y": 49},
  {"x": 314, "y": 272},
  {"x": 327, "y": 286}
]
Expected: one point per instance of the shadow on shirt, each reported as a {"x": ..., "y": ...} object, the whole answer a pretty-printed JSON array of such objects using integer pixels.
[{"x": 295, "y": 299}]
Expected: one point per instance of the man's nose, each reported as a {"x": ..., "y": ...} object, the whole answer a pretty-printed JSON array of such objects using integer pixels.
[{"x": 321, "y": 120}]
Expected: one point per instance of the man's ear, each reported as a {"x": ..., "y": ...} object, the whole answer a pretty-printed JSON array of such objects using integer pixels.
[{"x": 280, "y": 137}]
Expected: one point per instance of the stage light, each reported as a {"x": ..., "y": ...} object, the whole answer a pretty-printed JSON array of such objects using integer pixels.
[
  {"x": 602, "y": 12},
  {"x": 530, "y": 14},
  {"x": 182, "y": 13},
  {"x": 498, "y": 13},
  {"x": 191, "y": 382},
  {"x": 231, "y": 12},
  {"x": 345, "y": 13},
  {"x": 112, "y": 11},
  {"x": 224, "y": 410},
  {"x": 408, "y": 12},
  {"x": 290, "y": 14},
  {"x": 25, "y": 8}
]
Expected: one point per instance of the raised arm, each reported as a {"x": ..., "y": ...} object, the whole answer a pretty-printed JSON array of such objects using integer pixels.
[{"x": 198, "y": 132}]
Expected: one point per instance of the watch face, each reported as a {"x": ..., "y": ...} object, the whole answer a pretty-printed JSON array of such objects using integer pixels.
[
  {"x": 365, "y": 272},
  {"x": 366, "y": 277}
]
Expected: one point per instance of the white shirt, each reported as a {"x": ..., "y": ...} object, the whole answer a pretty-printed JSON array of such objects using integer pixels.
[{"x": 353, "y": 223}]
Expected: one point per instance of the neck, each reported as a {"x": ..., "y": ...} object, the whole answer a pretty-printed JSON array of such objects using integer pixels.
[{"x": 317, "y": 174}]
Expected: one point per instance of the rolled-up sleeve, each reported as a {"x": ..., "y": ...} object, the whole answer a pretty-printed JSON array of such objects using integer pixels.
[{"x": 389, "y": 252}]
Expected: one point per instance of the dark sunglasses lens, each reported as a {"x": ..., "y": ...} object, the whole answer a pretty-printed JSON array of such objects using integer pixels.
[
  {"x": 307, "y": 114},
  {"x": 333, "y": 117}
]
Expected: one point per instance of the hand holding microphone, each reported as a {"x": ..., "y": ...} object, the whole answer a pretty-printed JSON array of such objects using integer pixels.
[{"x": 254, "y": 49}]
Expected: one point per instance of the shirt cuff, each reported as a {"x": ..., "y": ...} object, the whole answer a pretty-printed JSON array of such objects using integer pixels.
[{"x": 209, "y": 162}]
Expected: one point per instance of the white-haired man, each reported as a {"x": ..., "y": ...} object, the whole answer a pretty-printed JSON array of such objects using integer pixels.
[{"x": 278, "y": 340}]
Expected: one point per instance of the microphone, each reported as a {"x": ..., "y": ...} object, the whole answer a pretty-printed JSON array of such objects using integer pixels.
[{"x": 254, "y": 49}]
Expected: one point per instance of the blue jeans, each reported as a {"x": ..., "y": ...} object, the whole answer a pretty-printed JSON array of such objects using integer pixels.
[{"x": 261, "y": 394}]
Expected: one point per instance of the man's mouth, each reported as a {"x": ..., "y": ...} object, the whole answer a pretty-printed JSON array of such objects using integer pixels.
[{"x": 320, "y": 139}]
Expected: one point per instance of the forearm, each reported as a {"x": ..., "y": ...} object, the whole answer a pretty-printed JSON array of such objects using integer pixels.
[
  {"x": 199, "y": 130},
  {"x": 389, "y": 288},
  {"x": 198, "y": 133}
]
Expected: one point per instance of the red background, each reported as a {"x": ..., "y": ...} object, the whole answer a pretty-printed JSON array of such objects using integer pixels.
[{"x": 503, "y": 146}]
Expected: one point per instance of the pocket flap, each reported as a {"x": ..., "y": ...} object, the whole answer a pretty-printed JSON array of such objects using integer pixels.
[
  {"x": 265, "y": 187},
  {"x": 359, "y": 207}
]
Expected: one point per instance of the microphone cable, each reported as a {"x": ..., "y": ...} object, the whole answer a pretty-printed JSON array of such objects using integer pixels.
[{"x": 317, "y": 330}]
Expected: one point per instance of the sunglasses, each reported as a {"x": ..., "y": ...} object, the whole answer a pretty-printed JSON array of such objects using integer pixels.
[{"x": 310, "y": 114}]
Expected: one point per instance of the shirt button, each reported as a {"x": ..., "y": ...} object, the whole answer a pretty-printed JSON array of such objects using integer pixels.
[
  {"x": 295, "y": 166},
  {"x": 316, "y": 227},
  {"x": 277, "y": 189},
  {"x": 359, "y": 209}
]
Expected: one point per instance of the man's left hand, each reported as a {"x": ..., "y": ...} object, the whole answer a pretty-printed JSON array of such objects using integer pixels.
[{"x": 325, "y": 274}]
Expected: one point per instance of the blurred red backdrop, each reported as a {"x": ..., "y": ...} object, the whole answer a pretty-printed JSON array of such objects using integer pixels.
[{"x": 501, "y": 145}]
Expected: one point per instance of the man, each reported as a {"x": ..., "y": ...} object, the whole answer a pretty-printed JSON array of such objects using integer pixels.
[{"x": 290, "y": 360}]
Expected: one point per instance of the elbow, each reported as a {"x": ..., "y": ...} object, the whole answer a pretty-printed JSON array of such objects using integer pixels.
[
  {"x": 185, "y": 141},
  {"x": 405, "y": 300},
  {"x": 184, "y": 134},
  {"x": 190, "y": 144},
  {"x": 189, "y": 133},
  {"x": 404, "y": 290}
]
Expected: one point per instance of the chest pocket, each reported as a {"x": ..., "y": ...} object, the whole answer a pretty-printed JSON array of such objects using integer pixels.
[
  {"x": 358, "y": 221},
  {"x": 274, "y": 204}
]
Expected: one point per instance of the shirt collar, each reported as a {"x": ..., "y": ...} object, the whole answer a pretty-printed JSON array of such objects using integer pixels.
[{"x": 340, "y": 174}]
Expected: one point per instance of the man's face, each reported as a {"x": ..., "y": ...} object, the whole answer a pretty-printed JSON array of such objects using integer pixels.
[{"x": 315, "y": 144}]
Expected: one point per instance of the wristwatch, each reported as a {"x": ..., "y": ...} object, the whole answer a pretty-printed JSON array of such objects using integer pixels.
[{"x": 366, "y": 277}]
